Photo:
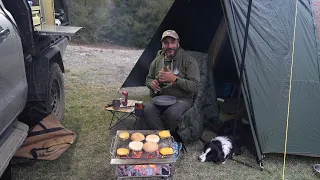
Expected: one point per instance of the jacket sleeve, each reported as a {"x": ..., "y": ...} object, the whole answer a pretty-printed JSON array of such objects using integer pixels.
[
  {"x": 191, "y": 82},
  {"x": 151, "y": 75}
]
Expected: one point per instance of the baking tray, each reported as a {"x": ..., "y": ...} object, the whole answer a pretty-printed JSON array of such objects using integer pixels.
[{"x": 146, "y": 158}]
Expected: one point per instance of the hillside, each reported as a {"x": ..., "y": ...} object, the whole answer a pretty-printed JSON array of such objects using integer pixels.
[{"x": 121, "y": 22}]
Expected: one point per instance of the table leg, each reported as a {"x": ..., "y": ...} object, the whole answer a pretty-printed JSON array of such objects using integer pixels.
[
  {"x": 120, "y": 120},
  {"x": 136, "y": 119},
  {"x": 111, "y": 120}
]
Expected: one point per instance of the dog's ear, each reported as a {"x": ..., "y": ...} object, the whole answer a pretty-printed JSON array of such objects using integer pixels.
[
  {"x": 218, "y": 145},
  {"x": 219, "y": 157}
]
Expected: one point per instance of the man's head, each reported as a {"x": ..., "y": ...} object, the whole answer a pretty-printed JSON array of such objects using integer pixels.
[{"x": 170, "y": 43}]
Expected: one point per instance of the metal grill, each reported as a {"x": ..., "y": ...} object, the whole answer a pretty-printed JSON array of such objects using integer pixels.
[{"x": 142, "y": 165}]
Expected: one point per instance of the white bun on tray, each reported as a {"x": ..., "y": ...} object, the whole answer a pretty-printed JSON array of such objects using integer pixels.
[
  {"x": 135, "y": 145},
  {"x": 152, "y": 138}
]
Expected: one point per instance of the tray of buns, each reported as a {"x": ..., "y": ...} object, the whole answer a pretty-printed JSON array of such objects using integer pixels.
[{"x": 142, "y": 147}]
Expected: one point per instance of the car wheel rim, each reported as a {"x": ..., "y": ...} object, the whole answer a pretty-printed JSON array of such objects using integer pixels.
[{"x": 55, "y": 96}]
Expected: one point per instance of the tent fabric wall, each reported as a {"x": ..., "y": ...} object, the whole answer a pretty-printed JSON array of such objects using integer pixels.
[{"x": 268, "y": 66}]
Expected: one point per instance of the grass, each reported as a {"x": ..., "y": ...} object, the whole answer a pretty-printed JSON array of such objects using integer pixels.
[
  {"x": 74, "y": 74},
  {"x": 89, "y": 157}
]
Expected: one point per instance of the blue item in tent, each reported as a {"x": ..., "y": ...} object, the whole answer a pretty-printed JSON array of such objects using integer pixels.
[{"x": 223, "y": 89}]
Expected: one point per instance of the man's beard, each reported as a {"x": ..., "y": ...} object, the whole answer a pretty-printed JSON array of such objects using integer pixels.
[{"x": 171, "y": 55}]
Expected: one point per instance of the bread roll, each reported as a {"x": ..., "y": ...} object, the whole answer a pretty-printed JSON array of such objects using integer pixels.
[
  {"x": 135, "y": 145},
  {"x": 150, "y": 147},
  {"x": 124, "y": 135},
  {"x": 122, "y": 151},
  {"x": 152, "y": 138},
  {"x": 137, "y": 137},
  {"x": 164, "y": 134}
]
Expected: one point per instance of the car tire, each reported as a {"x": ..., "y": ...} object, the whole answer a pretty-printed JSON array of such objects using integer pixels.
[
  {"x": 56, "y": 91},
  {"x": 36, "y": 111}
]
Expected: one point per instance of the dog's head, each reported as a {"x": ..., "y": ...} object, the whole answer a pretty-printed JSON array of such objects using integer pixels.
[{"x": 212, "y": 152}]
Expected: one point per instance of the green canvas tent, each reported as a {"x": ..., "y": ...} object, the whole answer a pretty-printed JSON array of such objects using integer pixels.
[{"x": 281, "y": 71}]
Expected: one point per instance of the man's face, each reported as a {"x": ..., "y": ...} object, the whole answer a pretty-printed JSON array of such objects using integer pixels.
[{"x": 170, "y": 47}]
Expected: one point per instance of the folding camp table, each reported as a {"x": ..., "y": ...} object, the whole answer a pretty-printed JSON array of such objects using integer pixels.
[{"x": 123, "y": 113}]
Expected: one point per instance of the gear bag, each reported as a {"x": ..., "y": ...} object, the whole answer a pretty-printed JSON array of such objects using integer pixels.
[{"x": 47, "y": 140}]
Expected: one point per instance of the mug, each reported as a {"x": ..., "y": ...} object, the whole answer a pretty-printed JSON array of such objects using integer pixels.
[
  {"x": 139, "y": 109},
  {"x": 138, "y": 105},
  {"x": 116, "y": 104}
]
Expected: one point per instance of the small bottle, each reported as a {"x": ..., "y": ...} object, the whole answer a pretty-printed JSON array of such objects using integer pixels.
[
  {"x": 124, "y": 97},
  {"x": 161, "y": 86}
]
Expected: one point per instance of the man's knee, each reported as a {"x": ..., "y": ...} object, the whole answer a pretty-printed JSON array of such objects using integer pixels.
[
  {"x": 170, "y": 114},
  {"x": 171, "y": 119},
  {"x": 173, "y": 115},
  {"x": 152, "y": 116},
  {"x": 149, "y": 108},
  {"x": 177, "y": 110}
]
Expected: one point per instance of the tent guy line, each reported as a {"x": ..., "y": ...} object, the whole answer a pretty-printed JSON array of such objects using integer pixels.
[{"x": 290, "y": 90}]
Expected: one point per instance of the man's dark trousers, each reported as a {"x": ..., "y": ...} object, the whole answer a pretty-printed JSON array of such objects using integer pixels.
[{"x": 166, "y": 117}]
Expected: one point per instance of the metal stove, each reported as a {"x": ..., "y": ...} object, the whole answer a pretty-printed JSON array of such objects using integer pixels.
[{"x": 143, "y": 165}]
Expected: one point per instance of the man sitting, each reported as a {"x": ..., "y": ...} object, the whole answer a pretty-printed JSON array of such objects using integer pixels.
[{"x": 173, "y": 72}]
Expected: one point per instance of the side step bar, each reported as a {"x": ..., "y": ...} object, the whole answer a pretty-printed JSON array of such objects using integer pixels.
[{"x": 13, "y": 141}]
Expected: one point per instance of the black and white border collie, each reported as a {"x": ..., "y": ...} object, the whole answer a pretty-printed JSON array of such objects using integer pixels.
[
  {"x": 217, "y": 150},
  {"x": 225, "y": 145}
]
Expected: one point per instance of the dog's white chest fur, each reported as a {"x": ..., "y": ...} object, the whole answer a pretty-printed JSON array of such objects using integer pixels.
[{"x": 225, "y": 143}]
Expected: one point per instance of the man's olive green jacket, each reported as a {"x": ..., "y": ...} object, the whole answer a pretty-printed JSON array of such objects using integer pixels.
[{"x": 184, "y": 66}]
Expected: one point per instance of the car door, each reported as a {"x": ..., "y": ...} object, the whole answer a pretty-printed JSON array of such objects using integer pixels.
[{"x": 13, "y": 83}]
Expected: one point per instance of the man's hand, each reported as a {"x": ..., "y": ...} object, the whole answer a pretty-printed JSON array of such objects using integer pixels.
[
  {"x": 155, "y": 85},
  {"x": 166, "y": 76}
]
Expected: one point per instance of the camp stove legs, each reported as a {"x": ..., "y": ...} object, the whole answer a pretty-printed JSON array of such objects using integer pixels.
[{"x": 146, "y": 171}]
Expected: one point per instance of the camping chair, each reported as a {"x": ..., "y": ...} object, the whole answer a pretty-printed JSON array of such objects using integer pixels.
[{"x": 205, "y": 109}]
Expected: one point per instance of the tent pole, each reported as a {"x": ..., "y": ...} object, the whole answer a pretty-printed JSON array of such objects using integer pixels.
[
  {"x": 243, "y": 55},
  {"x": 247, "y": 99}
]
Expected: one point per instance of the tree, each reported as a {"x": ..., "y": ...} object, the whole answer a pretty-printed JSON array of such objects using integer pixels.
[
  {"x": 122, "y": 22},
  {"x": 135, "y": 21},
  {"x": 89, "y": 14}
]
